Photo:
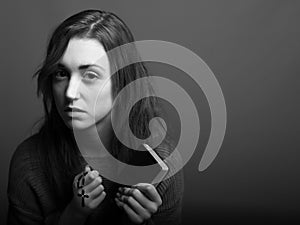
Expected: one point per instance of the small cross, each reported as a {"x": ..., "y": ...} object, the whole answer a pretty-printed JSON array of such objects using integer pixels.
[{"x": 82, "y": 195}]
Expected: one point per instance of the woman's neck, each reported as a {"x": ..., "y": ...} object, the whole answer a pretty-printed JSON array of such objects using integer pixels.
[{"x": 95, "y": 141}]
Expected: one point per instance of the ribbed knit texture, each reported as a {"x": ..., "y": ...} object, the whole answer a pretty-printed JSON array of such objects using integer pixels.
[{"x": 32, "y": 202}]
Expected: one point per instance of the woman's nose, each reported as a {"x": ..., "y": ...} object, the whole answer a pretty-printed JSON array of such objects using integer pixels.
[{"x": 72, "y": 91}]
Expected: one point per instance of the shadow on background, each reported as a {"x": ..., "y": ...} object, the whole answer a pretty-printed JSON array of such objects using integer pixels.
[{"x": 238, "y": 215}]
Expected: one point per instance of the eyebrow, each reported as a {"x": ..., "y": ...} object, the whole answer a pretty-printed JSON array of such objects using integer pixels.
[{"x": 84, "y": 66}]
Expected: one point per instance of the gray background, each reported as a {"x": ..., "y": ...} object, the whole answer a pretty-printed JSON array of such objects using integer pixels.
[{"x": 253, "y": 49}]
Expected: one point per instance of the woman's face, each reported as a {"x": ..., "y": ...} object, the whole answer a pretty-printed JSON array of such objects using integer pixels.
[{"x": 82, "y": 86}]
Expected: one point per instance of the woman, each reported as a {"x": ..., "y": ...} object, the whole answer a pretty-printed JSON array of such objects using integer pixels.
[{"x": 49, "y": 181}]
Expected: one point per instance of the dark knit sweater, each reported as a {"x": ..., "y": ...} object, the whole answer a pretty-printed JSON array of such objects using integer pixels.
[{"x": 32, "y": 201}]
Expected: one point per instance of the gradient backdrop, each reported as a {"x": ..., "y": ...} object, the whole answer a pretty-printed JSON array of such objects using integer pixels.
[{"x": 252, "y": 47}]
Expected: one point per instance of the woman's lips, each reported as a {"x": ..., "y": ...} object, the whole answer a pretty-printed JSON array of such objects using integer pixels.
[{"x": 73, "y": 109}]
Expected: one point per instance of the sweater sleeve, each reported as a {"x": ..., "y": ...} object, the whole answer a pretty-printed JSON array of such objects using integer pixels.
[
  {"x": 23, "y": 201},
  {"x": 171, "y": 191},
  {"x": 172, "y": 195}
]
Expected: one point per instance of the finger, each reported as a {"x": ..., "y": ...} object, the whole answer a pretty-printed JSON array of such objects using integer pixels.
[
  {"x": 150, "y": 191},
  {"x": 80, "y": 175},
  {"x": 119, "y": 203},
  {"x": 85, "y": 177},
  {"x": 92, "y": 185},
  {"x": 96, "y": 192},
  {"x": 95, "y": 202},
  {"x": 140, "y": 198},
  {"x": 76, "y": 179},
  {"x": 90, "y": 176},
  {"x": 134, "y": 205},
  {"x": 91, "y": 168},
  {"x": 87, "y": 168},
  {"x": 80, "y": 180},
  {"x": 131, "y": 214}
]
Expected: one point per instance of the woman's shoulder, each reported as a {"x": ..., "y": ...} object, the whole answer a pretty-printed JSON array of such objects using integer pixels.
[
  {"x": 26, "y": 182},
  {"x": 25, "y": 154},
  {"x": 27, "y": 146}
]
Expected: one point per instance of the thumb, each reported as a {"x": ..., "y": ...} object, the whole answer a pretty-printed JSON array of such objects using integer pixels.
[
  {"x": 88, "y": 168},
  {"x": 149, "y": 190}
]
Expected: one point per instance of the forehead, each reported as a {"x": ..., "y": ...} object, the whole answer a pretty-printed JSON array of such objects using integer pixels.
[{"x": 83, "y": 51}]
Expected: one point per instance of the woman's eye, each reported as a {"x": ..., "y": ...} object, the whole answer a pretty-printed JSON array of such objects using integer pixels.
[
  {"x": 61, "y": 74},
  {"x": 90, "y": 76}
]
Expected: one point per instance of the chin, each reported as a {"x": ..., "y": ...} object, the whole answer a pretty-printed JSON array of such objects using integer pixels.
[{"x": 78, "y": 125}]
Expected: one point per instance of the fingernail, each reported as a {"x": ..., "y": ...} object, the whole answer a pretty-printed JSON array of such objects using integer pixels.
[
  {"x": 96, "y": 173},
  {"x": 117, "y": 201}
]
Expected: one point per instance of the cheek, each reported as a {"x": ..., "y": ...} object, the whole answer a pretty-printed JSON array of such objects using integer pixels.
[
  {"x": 58, "y": 94},
  {"x": 103, "y": 102}
]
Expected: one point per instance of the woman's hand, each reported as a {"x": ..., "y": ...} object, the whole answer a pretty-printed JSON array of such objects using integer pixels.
[
  {"x": 139, "y": 202},
  {"x": 88, "y": 191}
]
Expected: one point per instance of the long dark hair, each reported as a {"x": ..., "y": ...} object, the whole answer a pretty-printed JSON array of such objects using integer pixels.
[{"x": 62, "y": 156}]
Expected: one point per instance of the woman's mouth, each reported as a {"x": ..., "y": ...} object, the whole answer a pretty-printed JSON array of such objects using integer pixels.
[{"x": 73, "y": 109}]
